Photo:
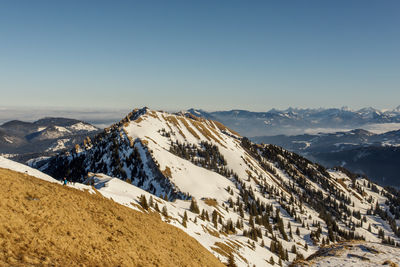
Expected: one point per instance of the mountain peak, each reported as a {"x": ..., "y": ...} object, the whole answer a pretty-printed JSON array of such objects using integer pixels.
[{"x": 248, "y": 189}]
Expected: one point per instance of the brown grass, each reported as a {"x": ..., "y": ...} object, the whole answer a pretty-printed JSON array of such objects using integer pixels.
[
  {"x": 210, "y": 231},
  {"x": 151, "y": 139},
  {"x": 390, "y": 263},
  {"x": 211, "y": 202},
  {"x": 190, "y": 129},
  {"x": 224, "y": 128},
  {"x": 45, "y": 224},
  {"x": 172, "y": 119},
  {"x": 166, "y": 121},
  {"x": 341, "y": 181},
  {"x": 206, "y": 132},
  {"x": 222, "y": 249},
  {"x": 144, "y": 142},
  {"x": 153, "y": 114},
  {"x": 357, "y": 196},
  {"x": 167, "y": 172},
  {"x": 225, "y": 249},
  {"x": 138, "y": 120}
]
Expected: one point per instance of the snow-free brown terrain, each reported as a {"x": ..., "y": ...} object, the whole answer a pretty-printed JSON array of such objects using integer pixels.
[{"x": 47, "y": 224}]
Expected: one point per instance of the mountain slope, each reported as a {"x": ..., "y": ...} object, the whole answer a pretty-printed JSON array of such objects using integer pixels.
[
  {"x": 354, "y": 254},
  {"x": 44, "y": 223},
  {"x": 374, "y": 155},
  {"x": 255, "y": 201},
  {"x": 23, "y": 141}
]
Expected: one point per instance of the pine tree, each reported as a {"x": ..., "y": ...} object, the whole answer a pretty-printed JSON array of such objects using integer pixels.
[
  {"x": 231, "y": 261},
  {"x": 194, "y": 207},
  {"x": 143, "y": 202},
  {"x": 215, "y": 218},
  {"x": 271, "y": 261},
  {"x": 272, "y": 247},
  {"x": 184, "y": 219},
  {"x": 156, "y": 207},
  {"x": 165, "y": 211},
  {"x": 203, "y": 215}
]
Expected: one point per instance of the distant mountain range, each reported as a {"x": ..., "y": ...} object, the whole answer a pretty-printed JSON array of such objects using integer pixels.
[
  {"x": 294, "y": 121},
  {"x": 22, "y": 140},
  {"x": 334, "y": 142},
  {"x": 376, "y": 155}
]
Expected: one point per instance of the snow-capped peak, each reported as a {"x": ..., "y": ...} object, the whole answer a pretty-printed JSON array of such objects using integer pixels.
[{"x": 260, "y": 192}]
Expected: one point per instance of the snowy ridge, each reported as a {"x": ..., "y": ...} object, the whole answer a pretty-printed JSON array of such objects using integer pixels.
[
  {"x": 257, "y": 202},
  {"x": 18, "y": 167}
]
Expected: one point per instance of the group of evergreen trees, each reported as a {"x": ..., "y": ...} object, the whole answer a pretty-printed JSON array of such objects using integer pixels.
[
  {"x": 330, "y": 208},
  {"x": 205, "y": 155}
]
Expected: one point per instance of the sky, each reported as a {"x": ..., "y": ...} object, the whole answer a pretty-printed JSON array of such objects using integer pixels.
[{"x": 213, "y": 55}]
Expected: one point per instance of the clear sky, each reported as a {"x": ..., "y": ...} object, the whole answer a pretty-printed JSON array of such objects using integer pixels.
[{"x": 214, "y": 55}]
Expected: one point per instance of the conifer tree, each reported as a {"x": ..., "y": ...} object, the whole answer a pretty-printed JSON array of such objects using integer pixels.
[
  {"x": 194, "y": 207},
  {"x": 184, "y": 219},
  {"x": 271, "y": 261},
  {"x": 215, "y": 218},
  {"x": 143, "y": 202},
  {"x": 272, "y": 247},
  {"x": 231, "y": 261},
  {"x": 207, "y": 218},
  {"x": 165, "y": 211}
]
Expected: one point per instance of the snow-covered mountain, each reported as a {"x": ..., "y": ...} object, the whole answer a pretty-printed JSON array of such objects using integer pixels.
[
  {"x": 293, "y": 121},
  {"x": 256, "y": 203},
  {"x": 24, "y": 141},
  {"x": 376, "y": 155}
]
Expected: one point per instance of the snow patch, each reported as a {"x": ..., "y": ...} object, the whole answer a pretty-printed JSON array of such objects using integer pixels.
[{"x": 82, "y": 127}]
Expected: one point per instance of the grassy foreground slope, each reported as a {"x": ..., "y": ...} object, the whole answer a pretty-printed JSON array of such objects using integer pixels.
[{"x": 43, "y": 223}]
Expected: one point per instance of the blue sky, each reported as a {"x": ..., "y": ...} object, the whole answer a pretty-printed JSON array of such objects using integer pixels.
[{"x": 214, "y": 55}]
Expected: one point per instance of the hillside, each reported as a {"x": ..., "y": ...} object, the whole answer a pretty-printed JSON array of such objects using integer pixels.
[
  {"x": 44, "y": 223},
  {"x": 353, "y": 254},
  {"x": 374, "y": 155},
  {"x": 260, "y": 203},
  {"x": 23, "y": 141}
]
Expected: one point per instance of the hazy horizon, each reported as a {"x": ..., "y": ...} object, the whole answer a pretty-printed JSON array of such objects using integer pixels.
[{"x": 103, "y": 116}]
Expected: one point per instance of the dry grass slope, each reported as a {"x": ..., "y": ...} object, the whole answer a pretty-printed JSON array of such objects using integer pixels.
[{"x": 45, "y": 224}]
